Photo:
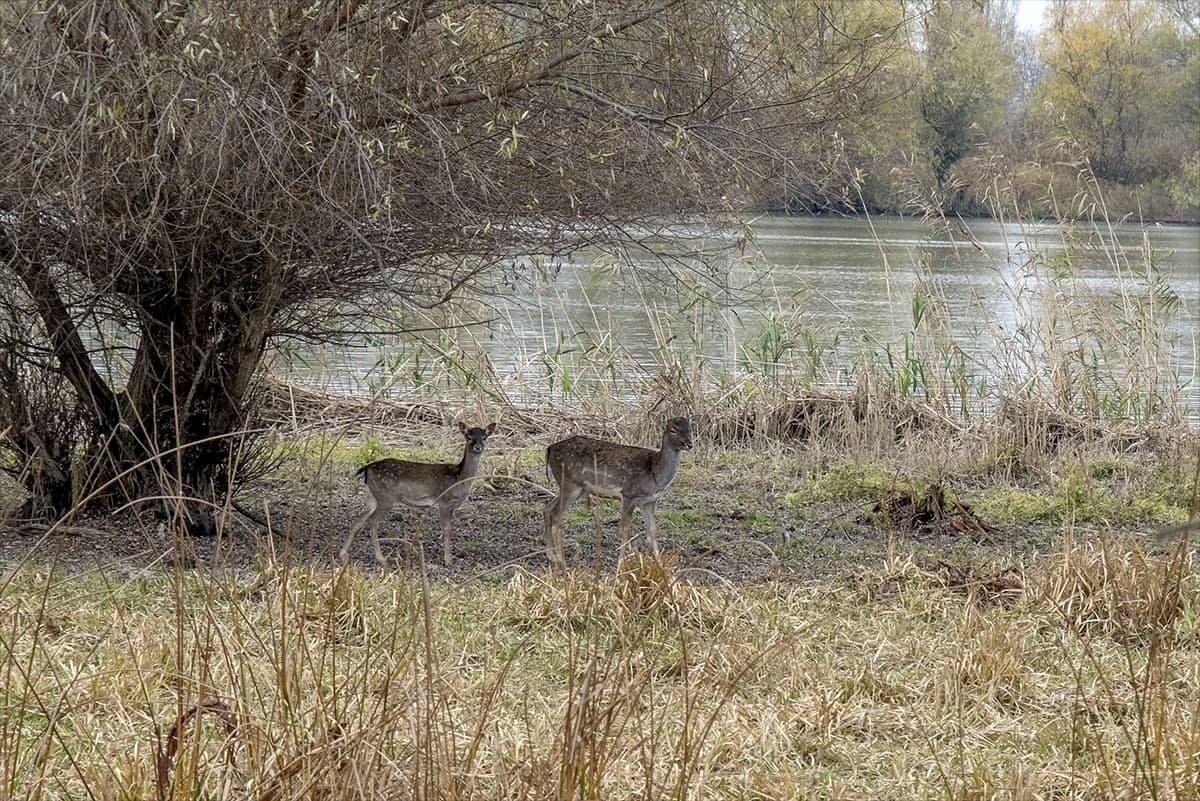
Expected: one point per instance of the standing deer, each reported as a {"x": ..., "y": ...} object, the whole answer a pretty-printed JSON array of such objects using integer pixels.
[
  {"x": 637, "y": 476},
  {"x": 446, "y": 486}
]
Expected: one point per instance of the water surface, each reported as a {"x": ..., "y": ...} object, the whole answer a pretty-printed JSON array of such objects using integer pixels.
[{"x": 840, "y": 288}]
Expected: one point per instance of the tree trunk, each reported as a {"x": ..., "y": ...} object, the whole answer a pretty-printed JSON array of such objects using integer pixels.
[
  {"x": 176, "y": 427},
  {"x": 185, "y": 404}
]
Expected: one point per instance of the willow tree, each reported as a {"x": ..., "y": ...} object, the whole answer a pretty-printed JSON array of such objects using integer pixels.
[
  {"x": 1122, "y": 80},
  {"x": 968, "y": 77},
  {"x": 210, "y": 175}
]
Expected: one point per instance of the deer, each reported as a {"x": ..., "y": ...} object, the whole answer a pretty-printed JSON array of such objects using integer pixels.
[
  {"x": 420, "y": 484},
  {"x": 638, "y": 477}
]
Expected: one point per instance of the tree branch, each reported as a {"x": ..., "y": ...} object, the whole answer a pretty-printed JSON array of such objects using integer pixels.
[
  {"x": 158, "y": 24},
  {"x": 306, "y": 46},
  {"x": 546, "y": 70},
  {"x": 600, "y": 100},
  {"x": 416, "y": 16},
  {"x": 64, "y": 334}
]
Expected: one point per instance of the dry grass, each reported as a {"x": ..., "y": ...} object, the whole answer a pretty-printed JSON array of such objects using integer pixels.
[{"x": 298, "y": 683}]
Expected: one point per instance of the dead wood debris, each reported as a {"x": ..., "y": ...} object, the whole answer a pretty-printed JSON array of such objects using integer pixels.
[{"x": 930, "y": 513}]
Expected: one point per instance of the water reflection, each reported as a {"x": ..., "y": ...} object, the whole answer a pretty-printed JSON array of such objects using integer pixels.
[{"x": 852, "y": 285}]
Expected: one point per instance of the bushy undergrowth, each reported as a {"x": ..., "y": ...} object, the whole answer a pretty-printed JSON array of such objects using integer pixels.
[{"x": 301, "y": 683}]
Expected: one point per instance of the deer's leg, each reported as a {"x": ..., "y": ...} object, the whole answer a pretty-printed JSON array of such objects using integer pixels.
[
  {"x": 626, "y": 527},
  {"x": 555, "y": 512},
  {"x": 595, "y": 522},
  {"x": 651, "y": 526},
  {"x": 413, "y": 541},
  {"x": 375, "y": 540},
  {"x": 446, "y": 517},
  {"x": 548, "y": 529},
  {"x": 372, "y": 507}
]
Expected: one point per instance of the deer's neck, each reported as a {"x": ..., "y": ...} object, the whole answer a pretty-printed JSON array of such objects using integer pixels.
[
  {"x": 666, "y": 462},
  {"x": 469, "y": 465}
]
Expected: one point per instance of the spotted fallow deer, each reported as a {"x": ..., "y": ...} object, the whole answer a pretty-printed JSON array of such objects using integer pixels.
[
  {"x": 446, "y": 486},
  {"x": 638, "y": 477}
]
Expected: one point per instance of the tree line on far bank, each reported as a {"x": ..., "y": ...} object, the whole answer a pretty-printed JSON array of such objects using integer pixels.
[{"x": 978, "y": 113}]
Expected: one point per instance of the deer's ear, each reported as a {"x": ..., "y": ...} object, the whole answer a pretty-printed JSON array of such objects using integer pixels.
[
  {"x": 491, "y": 429},
  {"x": 462, "y": 426}
]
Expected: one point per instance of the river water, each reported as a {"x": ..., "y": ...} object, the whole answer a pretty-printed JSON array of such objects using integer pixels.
[{"x": 829, "y": 289}]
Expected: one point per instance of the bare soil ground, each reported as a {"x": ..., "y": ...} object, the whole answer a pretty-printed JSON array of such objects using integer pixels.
[
  {"x": 741, "y": 513},
  {"x": 735, "y": 537}
]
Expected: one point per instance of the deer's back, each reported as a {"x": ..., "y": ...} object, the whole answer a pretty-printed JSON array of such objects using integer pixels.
[
  {"x": 416, "y": 483},
  {"x": 603, "y": 467}
]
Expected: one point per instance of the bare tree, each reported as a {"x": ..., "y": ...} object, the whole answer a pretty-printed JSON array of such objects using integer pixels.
[{"x": 213, "y": 174}]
